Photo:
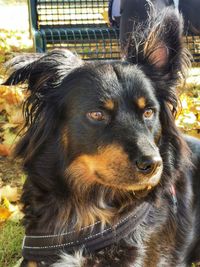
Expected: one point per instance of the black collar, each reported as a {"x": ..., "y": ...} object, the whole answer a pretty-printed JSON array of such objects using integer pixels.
[{"x": 92, "y": 238}]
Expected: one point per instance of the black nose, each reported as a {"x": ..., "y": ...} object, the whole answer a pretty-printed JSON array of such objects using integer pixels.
[{"x": 148, "y": 164}]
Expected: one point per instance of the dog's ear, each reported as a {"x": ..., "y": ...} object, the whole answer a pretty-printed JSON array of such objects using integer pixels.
[
  {"x": 163, "y": 47},
  {"x": 43, "y": 74},
  {"x": 40, "y": 70},
  {"x": 19, "y": 68},
  {"x": 158, "y": 46}
]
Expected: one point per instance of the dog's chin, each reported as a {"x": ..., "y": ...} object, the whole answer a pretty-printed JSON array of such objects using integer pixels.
[{"x": 145, "y": 185}]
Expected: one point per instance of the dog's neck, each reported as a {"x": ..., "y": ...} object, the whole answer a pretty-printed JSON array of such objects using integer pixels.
[
  {"x": 100, "y": 204},
  {"x": 80, "y": 209}
]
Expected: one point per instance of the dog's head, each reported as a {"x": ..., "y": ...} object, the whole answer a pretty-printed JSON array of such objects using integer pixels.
[{"x": 96, "y": 127}]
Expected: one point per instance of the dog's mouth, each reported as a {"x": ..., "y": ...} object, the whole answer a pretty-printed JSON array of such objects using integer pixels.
[
  {"x": 142, "y": 183},
  {"x": 113, "y": 169}
]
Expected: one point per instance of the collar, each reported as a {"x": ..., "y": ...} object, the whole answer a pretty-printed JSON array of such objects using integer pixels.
[{"x": 92, "y": 237}]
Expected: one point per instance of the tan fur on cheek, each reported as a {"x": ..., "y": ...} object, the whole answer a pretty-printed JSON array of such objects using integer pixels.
[
  {"x": 81, "y": 170},
  {"x": 106, "y": 161}
]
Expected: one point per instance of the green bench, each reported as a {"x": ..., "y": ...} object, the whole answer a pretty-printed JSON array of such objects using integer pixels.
[
  {"x": 193, "y": 44},
  {"x": 81, "y": 26}
]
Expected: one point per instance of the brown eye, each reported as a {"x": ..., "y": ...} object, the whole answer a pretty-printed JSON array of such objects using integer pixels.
[
  {"x": 148, "y": 113},
  {"x": 96, "y": 116}
]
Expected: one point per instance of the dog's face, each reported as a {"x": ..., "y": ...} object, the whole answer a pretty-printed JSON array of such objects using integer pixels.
[
  {"x": 97, "y": 132},
  {"x": 112, "y": 127}
]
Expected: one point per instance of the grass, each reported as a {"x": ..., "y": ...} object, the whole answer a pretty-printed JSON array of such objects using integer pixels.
[{"x": 11, "y": 234}]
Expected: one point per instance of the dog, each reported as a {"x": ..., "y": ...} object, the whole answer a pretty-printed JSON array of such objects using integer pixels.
[{"x": 111, "y": 181}]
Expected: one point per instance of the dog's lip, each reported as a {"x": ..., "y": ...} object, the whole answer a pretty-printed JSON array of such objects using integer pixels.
[
  {"x": 146, "y": 184},
  {"x": 156, "y": 177},
  {"x": 153, "y": 180}
]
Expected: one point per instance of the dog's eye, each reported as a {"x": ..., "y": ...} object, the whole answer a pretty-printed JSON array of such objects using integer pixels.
[
  {"x": 148, "y": 113},
  {"x": 96, "y": 116}
]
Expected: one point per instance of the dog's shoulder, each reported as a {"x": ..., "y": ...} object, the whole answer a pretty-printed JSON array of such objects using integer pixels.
[{"x": 194, "y": 145}]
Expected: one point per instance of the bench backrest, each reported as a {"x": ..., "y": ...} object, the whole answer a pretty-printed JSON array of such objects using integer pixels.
[
  {"x": 69, "y": 13},
  {"x": 82, "y": 26}
]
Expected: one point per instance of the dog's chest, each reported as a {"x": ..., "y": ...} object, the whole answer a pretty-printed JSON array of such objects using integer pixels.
[{"x": 140, "y": 249}]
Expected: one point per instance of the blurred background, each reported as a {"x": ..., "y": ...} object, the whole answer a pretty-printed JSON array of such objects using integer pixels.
[
  {"x": 15, "y": 38},
  {"x": 14, "y": 27}
]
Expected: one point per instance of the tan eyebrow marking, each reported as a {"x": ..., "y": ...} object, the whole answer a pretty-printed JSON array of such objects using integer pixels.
[
  {"x": 141, "y": 102},
  {"x": 64, "y": 138},
  {"x": 109, "y": 104},
  {"x": 32, "y": 264}
]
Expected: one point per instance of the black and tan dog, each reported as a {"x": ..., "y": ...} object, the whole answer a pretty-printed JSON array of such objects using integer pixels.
[{"x": 111, "y": 180}]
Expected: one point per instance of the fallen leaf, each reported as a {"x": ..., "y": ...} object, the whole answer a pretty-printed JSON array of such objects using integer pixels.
[
  {"x": 4, "y": 150},
  {"x": 15, "y": 210},
  {"x": 16, "y": 216},
  {"x": 4, "y": 214},
  {"x": 9, "y": 193}
]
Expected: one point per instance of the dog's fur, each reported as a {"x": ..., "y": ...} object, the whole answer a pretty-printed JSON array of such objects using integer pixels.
[{"x": 88, "y": 125}]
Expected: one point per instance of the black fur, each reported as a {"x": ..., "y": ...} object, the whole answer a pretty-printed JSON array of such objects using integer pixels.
[{"x": 62, "y": 142}]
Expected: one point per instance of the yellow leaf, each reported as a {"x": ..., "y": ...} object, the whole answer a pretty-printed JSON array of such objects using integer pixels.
[
  {"x": 16, "y": 215},
  {"x": 9, "y": 193},
  {"x": 4, "y": 150},
  {"x": 4, "y": 214},
  {"x": 12, "y": 208}
]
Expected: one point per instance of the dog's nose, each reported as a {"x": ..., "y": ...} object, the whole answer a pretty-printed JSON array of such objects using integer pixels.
[{"x": 148, "y": 164}]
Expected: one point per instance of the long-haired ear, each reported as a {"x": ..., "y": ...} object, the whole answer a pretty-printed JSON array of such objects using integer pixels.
[
  {"x": 38, "y": 69},
  {"x": 19, "y": 68},
  {"x": 158, "y": 45},
  {"x": 43, "y": 74}
]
